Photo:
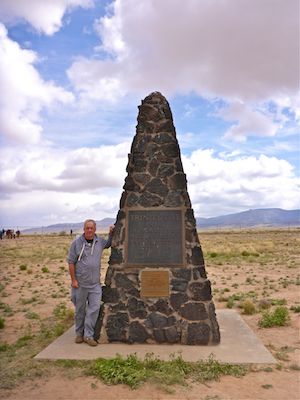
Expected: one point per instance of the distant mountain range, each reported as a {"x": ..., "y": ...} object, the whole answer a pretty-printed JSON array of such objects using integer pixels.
[
  {"x": 258, "y": 217},
  {"x": 264, "y": 217}
]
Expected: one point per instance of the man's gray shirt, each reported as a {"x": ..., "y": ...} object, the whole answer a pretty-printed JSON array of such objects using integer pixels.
[{"x": 87, "y": 259}]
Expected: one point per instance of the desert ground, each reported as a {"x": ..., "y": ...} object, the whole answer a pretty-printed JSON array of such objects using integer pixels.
[{"x": 253, "y": 271}]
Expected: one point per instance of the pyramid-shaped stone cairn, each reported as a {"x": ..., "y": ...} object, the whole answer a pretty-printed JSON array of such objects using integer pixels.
[{"x": 156, "y": 289}]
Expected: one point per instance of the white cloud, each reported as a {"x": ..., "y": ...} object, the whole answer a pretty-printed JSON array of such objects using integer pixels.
[
  {"x": 43, "y": 185},
  {"x": 46, "y": 169},
  {"x": 92, "y": 169},
  {"x": 248, "y": 122},
  {"x": 110, "y": 31},
  {"x": 284, "y": 146},
  {"x": 23, "y": 92},
  {"x": 246, "y": 52},
  {"x": 52, "y": 207},
  {"x": 91, "y": 79},
  {"x": 61, "y": 185},
  {"x": 234, "y": 49},
  {"x": 45, "y": 16},
  {"x": 222, "y": 185}
]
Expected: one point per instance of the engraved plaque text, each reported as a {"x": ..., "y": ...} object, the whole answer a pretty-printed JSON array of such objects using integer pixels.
[{"x": 154, "y": 237}]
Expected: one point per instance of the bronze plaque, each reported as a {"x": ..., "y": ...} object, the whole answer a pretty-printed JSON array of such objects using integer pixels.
[
  {"x": 155, "y": 284},
  {"x": 154, "y": 237}
]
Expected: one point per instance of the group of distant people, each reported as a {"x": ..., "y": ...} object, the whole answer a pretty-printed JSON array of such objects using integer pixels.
[{"x": 9, "y": 234}]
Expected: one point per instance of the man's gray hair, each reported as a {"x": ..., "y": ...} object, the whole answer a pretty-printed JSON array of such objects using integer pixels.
[{"x": 89, "y": 220}]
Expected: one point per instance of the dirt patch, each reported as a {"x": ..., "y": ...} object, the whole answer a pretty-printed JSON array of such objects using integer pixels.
[
  {"x": 259, "y": 266},
  {"x": 276, "y": 385}
]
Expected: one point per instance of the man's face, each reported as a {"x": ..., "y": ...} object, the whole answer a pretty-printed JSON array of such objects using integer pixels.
[{"x": 89, "y": 230}]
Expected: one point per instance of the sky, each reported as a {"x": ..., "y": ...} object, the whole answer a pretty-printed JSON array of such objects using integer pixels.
[{"x": 73, "y": 72}]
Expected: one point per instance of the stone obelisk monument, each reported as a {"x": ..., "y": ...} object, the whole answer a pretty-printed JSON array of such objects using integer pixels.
[{"x": 156, "y": 288}]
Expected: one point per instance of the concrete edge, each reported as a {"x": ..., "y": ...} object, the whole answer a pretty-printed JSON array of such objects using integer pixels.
[{"x": 239, "y": 345}]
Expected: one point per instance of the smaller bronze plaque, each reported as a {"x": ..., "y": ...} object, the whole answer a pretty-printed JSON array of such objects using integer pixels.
[{"x": 155, "y": 283}]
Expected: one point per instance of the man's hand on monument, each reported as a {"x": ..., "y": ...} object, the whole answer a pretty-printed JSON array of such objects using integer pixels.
[{"x": 111, "y": 229}]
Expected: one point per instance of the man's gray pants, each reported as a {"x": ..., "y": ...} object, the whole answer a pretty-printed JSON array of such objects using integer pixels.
[{"x": 87, "y": 305}]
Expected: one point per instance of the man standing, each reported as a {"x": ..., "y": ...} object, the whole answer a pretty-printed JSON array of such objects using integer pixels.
[{"x": 84, "y": 266}]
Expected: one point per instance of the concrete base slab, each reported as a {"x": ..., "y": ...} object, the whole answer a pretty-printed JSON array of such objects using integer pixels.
[{"x": 238, "y": 345}]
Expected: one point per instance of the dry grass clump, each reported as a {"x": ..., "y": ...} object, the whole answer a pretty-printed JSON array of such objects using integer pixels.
[
  {"x": 248, "y": 307},
  {"x": 253, "y": 246}
]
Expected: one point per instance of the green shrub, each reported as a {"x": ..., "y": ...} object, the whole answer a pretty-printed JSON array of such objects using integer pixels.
[
  {"x": 282, "y": 355},
  {"x": 32, "y": 315},
  {"x": 23, "y": 341},
  {"x": 267, "y": 386},
  {"x": 23, "y": 267},
  {"x": 45, "y": 270},
  {"x": 132, "y": 372},
  {"x": 233, "y": 298},
  {"x": 58, "y": 330},
  {"x": 62, "y": 312},
  {"x": 2, "y": 323},
  {"x": 230, "y": 302},
  {"x": 213, "y": 254},
  {"x": 28, "y": 301},
  {"x": 279, "y": 317},
  {"x": 4, "y": 347},
  {"x": 245, "y": 253},
  {"x": 278, "y": 302},
  {"x": 6, "y": 308},
  {"x": 51, "y": 332}
]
